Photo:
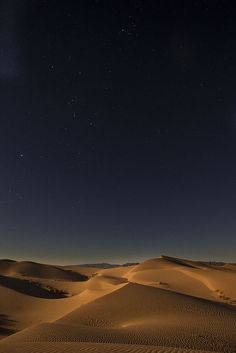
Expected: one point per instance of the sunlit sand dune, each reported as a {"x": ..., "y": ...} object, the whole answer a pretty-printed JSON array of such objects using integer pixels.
[
  {"x": 161, "y": 305},
  {"x": 194, "y": 278}
]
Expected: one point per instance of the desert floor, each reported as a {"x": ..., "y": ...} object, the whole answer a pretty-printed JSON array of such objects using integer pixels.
[{"x": 161, "y": 305}]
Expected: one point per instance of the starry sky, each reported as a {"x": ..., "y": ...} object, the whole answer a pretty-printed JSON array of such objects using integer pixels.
[{"x": 118, "y": 130}]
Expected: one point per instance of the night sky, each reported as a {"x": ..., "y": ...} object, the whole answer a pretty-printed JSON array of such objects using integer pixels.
[{"x": 118, "y": 130}]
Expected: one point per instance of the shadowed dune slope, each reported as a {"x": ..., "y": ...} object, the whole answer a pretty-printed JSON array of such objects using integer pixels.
[
  {"x": 86, "y": 271},
  {"x": 31, "y": 288},
  {"x": 163, "y": 262}
]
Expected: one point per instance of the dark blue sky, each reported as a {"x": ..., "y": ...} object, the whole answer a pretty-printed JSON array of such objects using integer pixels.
[{"x": 118, "y": 130}]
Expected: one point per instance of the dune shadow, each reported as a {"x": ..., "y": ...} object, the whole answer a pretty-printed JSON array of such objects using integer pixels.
[
  {"x": 6, "y": 325},
  {"x": 32, "y": 288},
  {"x": 75, "y": 276},
  {"x": 178, "y": 261}
]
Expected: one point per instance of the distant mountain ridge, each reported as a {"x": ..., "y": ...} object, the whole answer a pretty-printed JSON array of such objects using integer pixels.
[{"x": 106, "y": 265}]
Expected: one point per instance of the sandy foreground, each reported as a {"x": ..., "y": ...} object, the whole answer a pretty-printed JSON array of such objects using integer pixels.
[{"x": 161, "y": 305}]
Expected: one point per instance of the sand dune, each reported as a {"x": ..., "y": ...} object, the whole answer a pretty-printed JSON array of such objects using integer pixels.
[
  {"x": 190, "y": 277},
  {"x": 77, "y": 347},
  {"x": 161, "y": 305},
  {"x": 33, "y": 269},
  {"x": 22, "y": 310}
]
